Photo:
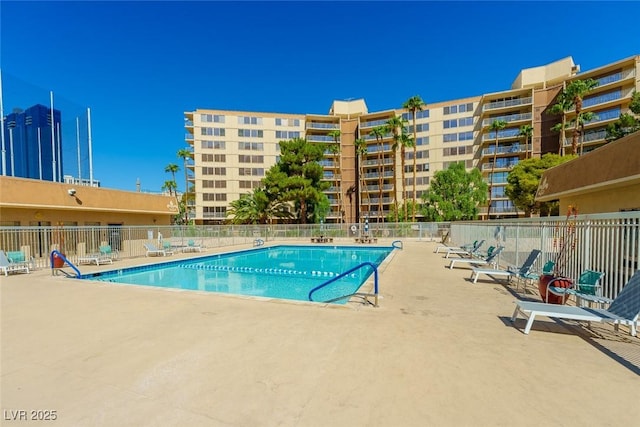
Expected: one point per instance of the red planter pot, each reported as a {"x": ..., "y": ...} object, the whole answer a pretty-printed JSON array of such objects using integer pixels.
[
  {"x": 558, "y": 282},
  {"x": 58, "y": 262}
]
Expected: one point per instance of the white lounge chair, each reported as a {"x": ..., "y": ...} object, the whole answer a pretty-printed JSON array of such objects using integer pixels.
[
  {"x": 7, "y": 266},
  {"x": 94, "y": 258},
  {"x": 445, "y": 248},
  {"x": 624, "y": 310},
  {"x": 465, "y": 251},
  {"x": 522, "y": 272},
  {"x": 491, "y": 259},
  {"x": 153, "y": 250},
  {"x": 192, "y": 247}
]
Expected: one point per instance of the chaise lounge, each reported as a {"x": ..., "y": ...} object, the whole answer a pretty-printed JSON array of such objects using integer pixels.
[
  {"x": 490, "y": 259},
  {"x": 624, "y": 310},
  {"x": 7, "y": 266},
  {"x": 523, "y": 272}
]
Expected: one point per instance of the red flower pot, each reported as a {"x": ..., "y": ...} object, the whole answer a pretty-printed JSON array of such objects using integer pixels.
[
  {"x": 558, "y": 282},
  {"x": 58, "y": 262}
]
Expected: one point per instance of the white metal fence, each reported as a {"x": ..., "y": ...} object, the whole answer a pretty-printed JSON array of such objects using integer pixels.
[
  {"x": 604, "y": 242},
  {"x": 609, "y": 243},
  {"x": 74, "y": 242}
]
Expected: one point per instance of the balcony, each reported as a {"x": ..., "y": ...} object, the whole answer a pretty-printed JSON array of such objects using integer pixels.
[
  {"x": 508, "y": 118},
  {"x": 374, "y": 123},
  {"x": 322, "y": 126},
  {"x": 495, "y": 105},
  {"x": 188, "y": 137},
  {"x": 320, "y": 138},
  {"x": 506, "y": 149},
  {"x": 503, "y": 134},
  {"x": 188, "y": 123},
  {"x": 616, "y": 77},
  {"x": 597, "y": 136},
  {"x": 507, "y": 165}
]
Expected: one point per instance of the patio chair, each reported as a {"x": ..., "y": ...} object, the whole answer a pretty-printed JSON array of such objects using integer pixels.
[
  {"x": 192, "y": 247},
  {"x": 518, "y": 272},
  {"x": 491, "y": 259},
  {"x": 106, "y": 251},
  {"x": 153, "y": 250},
  {"x": 7, "y": 266},
  {"x": 444, "y": 248},
  {"x": 94, "y": 258},
  {"x": 19, "y": 257},
  {"x": 589, "y": 289},
  {"x": 624, "y": 309},
  {"x": 465, "y": 250}
]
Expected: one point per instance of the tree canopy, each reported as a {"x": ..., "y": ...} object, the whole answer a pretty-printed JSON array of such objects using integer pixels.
[
  {"x": 523, "y": 181},
  {"x": 297, "y": 178},
  {"x": 454, "y": 194},
  {"x": 627, "y": 123}
]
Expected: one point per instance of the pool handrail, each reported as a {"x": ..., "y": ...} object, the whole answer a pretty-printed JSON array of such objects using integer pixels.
[
  {"x": 401, "y": 246},
  {"x": 59, "y": 255},
  {"x": 339, "y": 276}
]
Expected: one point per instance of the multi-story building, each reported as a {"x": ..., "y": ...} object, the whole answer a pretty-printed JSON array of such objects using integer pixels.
[
  {"x": 32, "y": 147},
  {"x": 232, "y": 150}
]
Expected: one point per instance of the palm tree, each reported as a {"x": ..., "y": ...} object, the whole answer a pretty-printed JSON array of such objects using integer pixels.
[
  {"x": 361, "y": 150},
  {"x": 173, "y": 168},
  {"x": 414, "y": 104},
  {"x": 496, "y": 126},
  {"x": 581, "y": 119},
  {"x": 380, "y": 132},
  {"x": 405, "y": 141},
  {"x": 396, "y": 126},
  {"x": 169, "y": 186},
  {"x": 576, "y": 91},
  {"x": 335, "y": 150},
  {"x": 185, "y": 155},
  {"x": 526, "y": 131},
  {"x": 257, "y": 208},
  {"x": 563, "y": 105}
]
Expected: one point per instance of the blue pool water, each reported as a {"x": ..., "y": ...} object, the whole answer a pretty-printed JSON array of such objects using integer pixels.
[{"x": 287, "y": 272}]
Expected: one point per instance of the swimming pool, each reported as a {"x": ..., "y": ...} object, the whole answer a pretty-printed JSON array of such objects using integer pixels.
[{"x": 285, "y": 272}]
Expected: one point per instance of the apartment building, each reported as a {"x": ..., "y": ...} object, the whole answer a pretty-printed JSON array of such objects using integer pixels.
[{"x": 232, "y": 150}]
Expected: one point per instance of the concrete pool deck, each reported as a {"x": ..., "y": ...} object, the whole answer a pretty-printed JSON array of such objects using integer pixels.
[{"x": 439, "y": 351}]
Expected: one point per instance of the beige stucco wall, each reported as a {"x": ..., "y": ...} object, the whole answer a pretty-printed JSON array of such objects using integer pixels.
[
  {"x": 603, "y": 180},
  {"x": 27, "y": 201}
]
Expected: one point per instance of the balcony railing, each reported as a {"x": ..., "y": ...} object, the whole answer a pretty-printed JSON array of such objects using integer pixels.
[
  {"x": 612, "y": 78},
  {"x": 319, "y": 125},
  {"x": 508, "y": 165},
  {"x": 320, "y": 138},
  {"x": 508, "y": 118},
  {"x": 600, "y": 135},
  {"x": 188, "y": 123},
  {"x": 506, "y": 149},
  {"x": 373, "y": 123},
  {"x": 507, "y": 103},
  {"x": 503, "y": 134},
  {"x": 188, "y": 136}
]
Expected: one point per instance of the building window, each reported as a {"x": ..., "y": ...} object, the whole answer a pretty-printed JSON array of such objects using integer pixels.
[
  {"x": 250, "y": 133},
  {"x": 212, "y": 131},
  {"x": 248, "y": 120},
  {"x": 211, "y": 118},
  {"x": 450, "y": 124},
  {"x": 450, "y": 137}
]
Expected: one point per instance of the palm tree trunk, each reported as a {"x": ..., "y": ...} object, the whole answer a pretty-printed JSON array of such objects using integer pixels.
[
  {"x": 404, "y": 189},
  {"x": 415, "y": 148},
  {"x": 493, "y": 167}
]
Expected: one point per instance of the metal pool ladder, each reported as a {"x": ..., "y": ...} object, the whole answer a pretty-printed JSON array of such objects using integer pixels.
[{"x": 365, "y": 295}]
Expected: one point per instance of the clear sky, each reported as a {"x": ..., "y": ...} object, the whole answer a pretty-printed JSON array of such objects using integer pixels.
[{"x": 140, "y": 65}]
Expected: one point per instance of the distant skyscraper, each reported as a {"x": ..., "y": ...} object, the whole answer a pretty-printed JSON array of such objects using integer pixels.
[{"x": 31, "y": 152}]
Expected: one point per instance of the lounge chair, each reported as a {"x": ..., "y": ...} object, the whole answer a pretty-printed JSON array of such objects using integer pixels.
[
  {"x": 624, "y": 309},
  {"x": 18, "y": 257},
  {"x": 106, "y": 251},
  {"x": 523, "y": 272},
  {"x": 465, "y": 251},
  {"x": 7, "y": 266},
  {"x": 95, "y": 258},
  {"x": 445, "y": 248},
  {"x": 192, "y": 247},
  {"x": 491, "y": 259},
  {"x": 153, "y": 250}
]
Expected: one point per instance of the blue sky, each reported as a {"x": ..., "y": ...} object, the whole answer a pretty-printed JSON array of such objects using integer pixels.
[{"x": 140, "y": 65}]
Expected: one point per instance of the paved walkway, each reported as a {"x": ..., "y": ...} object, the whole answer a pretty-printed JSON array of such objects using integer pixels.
[{"x": 439, "y": 351}]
